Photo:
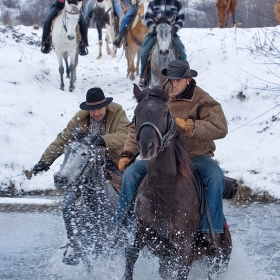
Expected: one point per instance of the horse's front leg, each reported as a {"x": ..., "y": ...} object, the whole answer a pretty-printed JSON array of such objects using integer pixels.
[
  {"x": 60, "y": 69},
  {"x": 113, "y": 35},
  {"x": 130, "y": 55},
  {"x": 73, "y": 65},
  {"x": 107, "y": 36},
  {"x": 131, "y": 256},
  {"x": 65, "y": 57},
  {"x": 186, "y": 258},
  {"x": 99, "y": 31},
  {"x": 137, "y": 63}
]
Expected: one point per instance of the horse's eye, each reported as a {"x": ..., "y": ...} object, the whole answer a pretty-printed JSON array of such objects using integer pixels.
[{"x": 84, "y": 154}]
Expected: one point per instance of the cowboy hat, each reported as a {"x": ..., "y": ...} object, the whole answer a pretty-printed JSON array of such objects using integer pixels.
[
  {"x": 95, "y": 99},
  {"x": 178, "y": 69}
]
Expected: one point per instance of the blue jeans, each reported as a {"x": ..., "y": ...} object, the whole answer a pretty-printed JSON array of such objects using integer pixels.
[
  {"x": 211, "y": 175},
  {"x": 148, "y": 44},
  {"x": 127, "y": 17},
  {"x": 116, "y": 4}
]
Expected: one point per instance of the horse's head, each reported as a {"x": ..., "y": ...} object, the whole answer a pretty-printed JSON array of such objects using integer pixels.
[
  {"x": 78, "y": 162},
  {"x": 154, "y": 125},
  {"x": 142, "y": 9},
  {"x": 164, "y": 31},
  {"x": 71, "y": 18},
  {"x": 222, "y": 10}
]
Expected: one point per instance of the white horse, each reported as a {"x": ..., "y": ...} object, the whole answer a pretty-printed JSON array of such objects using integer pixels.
[
  {"x": 104, "y": 16},
  {"x": 65, "y": 39},
  {"x": 162, "y": 53}
]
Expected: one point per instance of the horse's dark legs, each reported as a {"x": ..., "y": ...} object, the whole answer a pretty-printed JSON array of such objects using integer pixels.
[
  {"x": 131, "y": 255},
  {"x": 61, "y": 72}
]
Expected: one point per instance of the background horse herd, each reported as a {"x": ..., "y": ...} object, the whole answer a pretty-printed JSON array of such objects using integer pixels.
[{"x": 66, "y": 37}]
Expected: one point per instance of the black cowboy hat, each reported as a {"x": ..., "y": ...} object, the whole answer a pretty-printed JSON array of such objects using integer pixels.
[
  {"x": 95, "y": 99},
  {"x": 178, "y": 69}
]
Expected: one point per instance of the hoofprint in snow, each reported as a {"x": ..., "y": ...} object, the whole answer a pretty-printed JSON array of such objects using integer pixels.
[{"x": 236, "y": 66}]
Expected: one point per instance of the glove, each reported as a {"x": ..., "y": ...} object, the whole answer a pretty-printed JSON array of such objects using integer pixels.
[
  {"x": 122, "y": 163},
  {"x": 186, "y": 125},
  {"x": 99, "y": 141},
  {"x": 40, "y": 166}
]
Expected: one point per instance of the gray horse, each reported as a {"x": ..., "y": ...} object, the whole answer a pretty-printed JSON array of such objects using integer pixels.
[
  {"x": 91, "y": 213},
  {"x": 162, "y": 52}
]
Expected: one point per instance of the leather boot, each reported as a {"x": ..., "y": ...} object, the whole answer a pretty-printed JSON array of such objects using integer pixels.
[
  {"x": 119, "y": 39},
  {"x": 83, "y": 49},
  {"x": 142, "y": 83},
  {"x": 213, "y": 247},
  {"x": 46, "y": 46}
]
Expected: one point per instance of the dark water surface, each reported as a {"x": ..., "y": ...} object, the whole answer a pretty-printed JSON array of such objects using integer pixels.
[{"x": 30, "y": 247}]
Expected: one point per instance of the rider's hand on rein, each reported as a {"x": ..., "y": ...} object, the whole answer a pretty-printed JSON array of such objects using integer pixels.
[
  {"x": 122, "y": 163},
  {"x": 186, "y": 125}
]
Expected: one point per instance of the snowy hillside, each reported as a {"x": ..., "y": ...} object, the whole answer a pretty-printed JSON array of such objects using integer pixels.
[{"x": 238, "y": 67}]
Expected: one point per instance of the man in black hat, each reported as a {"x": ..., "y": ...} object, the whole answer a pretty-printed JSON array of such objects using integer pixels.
[
  {"x": 202, "y": 121},
  {"x": 107, "y": 120}
]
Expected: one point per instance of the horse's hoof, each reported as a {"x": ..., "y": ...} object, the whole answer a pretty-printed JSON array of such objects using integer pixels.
[
  {"x": 99, "y": 57},
  {"x": 131, "y": 77},
  {"x": 62, "y": 88}
]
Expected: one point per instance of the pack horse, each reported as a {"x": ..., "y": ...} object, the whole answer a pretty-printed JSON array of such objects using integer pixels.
[{"x": 65, "y": 39}]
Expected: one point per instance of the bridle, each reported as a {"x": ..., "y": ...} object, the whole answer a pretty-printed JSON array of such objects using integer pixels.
[
  {"x": 74, "y": 11},
  {"x": 164, "y": 139}
]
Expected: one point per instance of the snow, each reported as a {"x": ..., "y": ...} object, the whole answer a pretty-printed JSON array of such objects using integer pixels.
[{"x": 230, "y": 63}]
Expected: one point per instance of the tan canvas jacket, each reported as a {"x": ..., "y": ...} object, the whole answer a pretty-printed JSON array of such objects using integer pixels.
[{"x": 115, "y": 135}]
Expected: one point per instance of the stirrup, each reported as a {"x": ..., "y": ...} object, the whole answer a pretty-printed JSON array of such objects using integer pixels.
[
  {"x": 83, "y": 50},
  {"x": 46, "y": 48},
  {"x": 118, "y": 41}
]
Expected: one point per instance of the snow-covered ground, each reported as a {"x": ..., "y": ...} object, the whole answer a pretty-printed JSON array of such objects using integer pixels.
[{"x": 238, "y": 67}]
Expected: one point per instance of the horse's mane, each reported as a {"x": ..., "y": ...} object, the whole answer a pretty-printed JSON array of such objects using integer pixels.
[{"x": 182, "y": 158}]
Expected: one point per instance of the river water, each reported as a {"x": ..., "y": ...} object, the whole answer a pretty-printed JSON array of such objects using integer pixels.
[{"x": 30, "y": 244}]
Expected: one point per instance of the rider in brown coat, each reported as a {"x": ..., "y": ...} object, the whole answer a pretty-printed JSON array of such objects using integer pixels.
[{"x": 202, "y": 121}]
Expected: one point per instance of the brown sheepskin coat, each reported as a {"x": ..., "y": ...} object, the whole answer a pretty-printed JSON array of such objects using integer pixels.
[
  {"x": 115, "y": 134},
  {"x": 207, "y": 113}
]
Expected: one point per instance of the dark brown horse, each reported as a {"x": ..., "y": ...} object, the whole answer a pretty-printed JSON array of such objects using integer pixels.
[
  {"x": 167, "y": 206},
  {"x": 224, "y": 9}
]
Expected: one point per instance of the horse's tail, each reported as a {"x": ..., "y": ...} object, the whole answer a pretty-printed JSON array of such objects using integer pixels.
[{"x": 185, "y": 165}]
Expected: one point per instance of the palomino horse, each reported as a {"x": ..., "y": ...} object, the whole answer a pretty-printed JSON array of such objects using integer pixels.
[
  {"x": 277, "y": 11},
  {"x": 134, "y": 38},
  {"x": 167, "y": 206},
  {"x": 224, "y": 9},
  {"x": 104, "y": 16},
  {"x": 65, "y": 39},
  {"x": 92, "y": 215},
  {"x": 162, "y": 53}
]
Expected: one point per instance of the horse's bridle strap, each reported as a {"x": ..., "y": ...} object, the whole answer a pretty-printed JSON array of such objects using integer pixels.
[{"x": 157, "y": 131}]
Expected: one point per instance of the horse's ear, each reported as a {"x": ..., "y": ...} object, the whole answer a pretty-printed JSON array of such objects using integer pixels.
[
  {"x": 168, "y": 87},
  {"x": 77, "y": 131},
  {"x": 137, "y": 92},
  {"x": 67, "y": 4},
  {"x": 80, "y": 5}
]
